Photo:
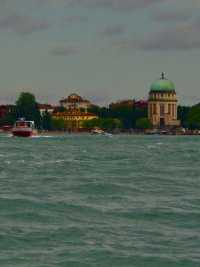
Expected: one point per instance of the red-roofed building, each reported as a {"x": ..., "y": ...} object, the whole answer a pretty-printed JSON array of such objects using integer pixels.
[
  {"x": 46, "y": 108},
  {"x": 123, "y": 103},
  {"x": 141, "y": 104},
  {"x": 4, "y": 110}
]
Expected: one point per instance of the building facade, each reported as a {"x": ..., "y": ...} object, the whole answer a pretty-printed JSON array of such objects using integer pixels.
[
  {"x": 162, "y": 104},
  {"x": 75, "y": 102},
  {"x": 45, "y": 108},
  {"x": 5, "y": 109},
  {"x": 76, "y": 112},
  {"x": 74, "y": 119}
]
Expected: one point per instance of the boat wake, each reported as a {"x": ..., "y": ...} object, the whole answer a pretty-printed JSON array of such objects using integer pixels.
[{"x": 34, "y": 136}]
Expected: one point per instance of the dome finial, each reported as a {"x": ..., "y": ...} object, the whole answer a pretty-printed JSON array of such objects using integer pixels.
[{"x": 162, "y": 75}]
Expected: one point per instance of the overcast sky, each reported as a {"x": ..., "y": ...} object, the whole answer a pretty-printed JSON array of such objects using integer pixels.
[{"x": 104, "y": 50}]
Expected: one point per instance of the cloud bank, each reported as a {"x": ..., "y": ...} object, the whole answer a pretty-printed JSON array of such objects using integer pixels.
[
  {"x": 22, "y": 24},
  {"x": 64, "y": 50},
  {"x": 181, "y": 36}
]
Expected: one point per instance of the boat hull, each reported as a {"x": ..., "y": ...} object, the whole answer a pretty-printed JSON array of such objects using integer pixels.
[{"x": 22, "y": 133}]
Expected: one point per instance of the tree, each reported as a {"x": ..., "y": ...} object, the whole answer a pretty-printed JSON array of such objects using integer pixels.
[
  {"x": 101, "y": 112},
  {"x": 127, "y": 114},
  {"x": 26, "y": 107},
  {"x": 143, "y": 123},
  {"x": 47, "y": 122},
  {"x": 139, "y": 113},
  {"x": 110, "y": 123},
  {"x": 89, "y": 124},
  {"x": 183, "y": 112},
  {"x": 124, "y": 113},
  {"x": 193, "y": 118},
  {"x": 58, "y": 124},
  {"x": 104, "y": 123}
]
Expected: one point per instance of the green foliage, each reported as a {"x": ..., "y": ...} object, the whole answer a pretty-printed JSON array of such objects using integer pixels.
[
  {"x": 124, "y": 114},
  {"x": 47, "y": 122},
  {"x": 104, "y": 123},
  {"x": 89, "y": 124},
  {"x": 26, "y": 107},
  {"x": 58, "y": 124},
  {"x": 110, "y": 123},
  {"x": 139, "y": 113},
  {"x": 193, "y": 118},
  {"x": 26, "y": 99},
  {"x": 183, "y": 113},
  {"x": 143, "y": 123},
  {"x": 101, "y": 112},
  {"x": 127, "y": 114}
]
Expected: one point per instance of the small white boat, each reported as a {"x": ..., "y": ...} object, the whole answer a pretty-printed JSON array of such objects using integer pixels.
[
  {"x": 97, "y": 131},
  {"x": 23, "y": 128}
]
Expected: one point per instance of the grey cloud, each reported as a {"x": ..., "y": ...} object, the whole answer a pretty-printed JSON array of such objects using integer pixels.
[
  {"x": 113, "y": 30},
  {"x": 114, "y": 4},
  {"x": 183, "y": 36},
  {"x": 119, "y": 4},
  {"x": 174, "y": 16},
  {"x": 64, "y": 50},
  {"x": 22, "y": 24},
  {"x": 74, "y": 19},
  {"x": 102, "y": 96}
]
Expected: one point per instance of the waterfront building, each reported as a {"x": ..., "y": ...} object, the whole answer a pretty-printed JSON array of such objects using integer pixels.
[
  {"x": 76, "y": 112},
  {"x": 5, "y": 109},
  {"x": 142, "y": 104},
  {"x": 74, "y": 119},
  {"x": 162, "y": 104},
  {"x": 45, "y": 108},
  {"x": 75, "y": 102}
]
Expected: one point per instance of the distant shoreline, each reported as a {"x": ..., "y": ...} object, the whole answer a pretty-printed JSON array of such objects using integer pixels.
[{"x": 63, "y": 133}]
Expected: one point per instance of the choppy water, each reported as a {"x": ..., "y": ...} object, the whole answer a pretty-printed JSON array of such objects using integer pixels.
[{"x": 80, "y": 201}]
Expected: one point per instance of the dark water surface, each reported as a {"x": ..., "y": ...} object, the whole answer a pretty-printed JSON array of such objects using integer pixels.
[{"x": 83, "y": 200}]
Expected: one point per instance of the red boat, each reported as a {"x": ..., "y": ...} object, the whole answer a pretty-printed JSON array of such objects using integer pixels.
[{"x": 23, "y": 128}]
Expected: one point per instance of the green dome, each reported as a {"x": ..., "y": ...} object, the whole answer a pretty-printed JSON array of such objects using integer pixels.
[{"x": 163, "y": 85}]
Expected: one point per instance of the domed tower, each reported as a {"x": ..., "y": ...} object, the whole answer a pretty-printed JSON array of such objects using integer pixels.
[{"x": 162, "y": 104}]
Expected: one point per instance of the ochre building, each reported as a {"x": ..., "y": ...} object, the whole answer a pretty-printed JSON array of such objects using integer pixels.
[
  {"x": 162, "y": 104},
  {"x": 74, "y": 119},
  {"x": 75, "y": 102},
  {"x": 76, "y": 112}
]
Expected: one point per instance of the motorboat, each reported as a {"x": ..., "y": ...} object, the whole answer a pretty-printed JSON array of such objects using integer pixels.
[{"x": 24, "y": 128}]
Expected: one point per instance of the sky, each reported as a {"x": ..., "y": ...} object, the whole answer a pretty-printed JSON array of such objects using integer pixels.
[{"x": 104, "y": 50}]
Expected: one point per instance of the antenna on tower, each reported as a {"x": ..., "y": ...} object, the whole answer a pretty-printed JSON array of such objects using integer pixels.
[{"x": 162, "y": 75}]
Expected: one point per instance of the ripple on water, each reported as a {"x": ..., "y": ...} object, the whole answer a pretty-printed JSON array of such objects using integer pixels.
[{"x": 81, "y": 200}]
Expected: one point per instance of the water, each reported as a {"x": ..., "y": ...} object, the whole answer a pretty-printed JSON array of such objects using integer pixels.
[{"x": 80, "y": 201}]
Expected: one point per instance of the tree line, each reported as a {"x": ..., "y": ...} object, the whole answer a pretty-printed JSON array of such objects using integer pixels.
[
  {"x": 121, "y": 116},
  {"x": 136, "y": 117}
]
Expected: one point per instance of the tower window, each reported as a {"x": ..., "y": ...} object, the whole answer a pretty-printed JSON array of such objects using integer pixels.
[
  {"x": 154, "y": 109},
  {"x": 162, "y": 109}
]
